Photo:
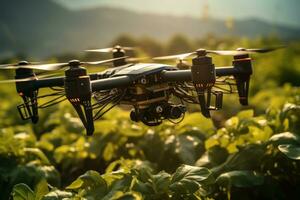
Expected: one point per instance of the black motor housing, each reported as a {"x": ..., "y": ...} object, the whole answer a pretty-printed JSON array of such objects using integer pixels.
[
  {"x": 28, "y": 110},
  {"x": 243, "y": 64},
  {"x": 118, "y": 53},
  {"x": 79, "y": 92},
  {"x": 204, "y": 78}
]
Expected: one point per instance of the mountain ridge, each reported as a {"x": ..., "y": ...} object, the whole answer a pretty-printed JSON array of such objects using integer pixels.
[{"x": 43, "y": 28}]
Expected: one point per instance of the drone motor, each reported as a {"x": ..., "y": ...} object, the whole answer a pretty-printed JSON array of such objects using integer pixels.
[
  {"x": 204, "y": 78},
  {"x": 29, "y": 109},
  {"x": 79, "y": 93},
  {"x": 243, "y": 64},
  {"x": 119, "y": 52}
]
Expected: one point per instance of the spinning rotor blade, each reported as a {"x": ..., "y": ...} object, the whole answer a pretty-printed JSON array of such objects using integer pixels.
[
  {"x": 129, "y": 48},
  {"x": 22, "y": 64},
  {"x": 239, "y": 51},
  {"x": 264, "y": 50},
  {"x": 58, "y": 66},
  {"x": 171, "y": 57},
  {"x": 27, "y": 79},
  {"x": 17, "y": 80},
  {"x": 105, "y": 50},
  {"x": 217, "y": 52},
  {"x": 226, "y": 52},
  {"x": 110, "y": 49},
  {"x": 47, "y": 67},
  {"x": 9, "y": 66},
  {"x": 136, "y": 59},
  {"x": 103, "y": 61}
]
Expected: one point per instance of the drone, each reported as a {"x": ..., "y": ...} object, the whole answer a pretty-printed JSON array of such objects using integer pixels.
[{"x": 156, "y": 92}]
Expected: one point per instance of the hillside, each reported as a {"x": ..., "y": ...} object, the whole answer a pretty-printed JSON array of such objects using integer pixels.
[{"x": 43, "y": 28}]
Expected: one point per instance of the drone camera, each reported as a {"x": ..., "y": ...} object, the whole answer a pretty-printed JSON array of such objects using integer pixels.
[
  {"x": 244, "y": 66},
  {"x": 154, "y": 114},
  {"x": 174, "y": 111},
  {"x": 25, "y": 89},
  {"x": 79, "y": 93},
  {"x": 204, "y": 78}
]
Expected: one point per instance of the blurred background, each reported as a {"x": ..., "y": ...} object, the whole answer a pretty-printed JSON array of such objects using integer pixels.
[{"x": 40, "y": 29}]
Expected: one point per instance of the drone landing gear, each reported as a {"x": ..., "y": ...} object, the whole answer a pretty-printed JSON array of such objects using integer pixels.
[
  {"x": 28, "y": 110},
  {"x": 205, "y": 101},
  {"x": 155, "y": 114}
]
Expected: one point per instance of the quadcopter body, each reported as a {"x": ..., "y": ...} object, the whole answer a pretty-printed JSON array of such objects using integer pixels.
[{"x": 156, "y": 92}]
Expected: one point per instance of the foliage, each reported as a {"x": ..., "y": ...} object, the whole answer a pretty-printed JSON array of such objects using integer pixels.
[{"x": 192, "y": 160}]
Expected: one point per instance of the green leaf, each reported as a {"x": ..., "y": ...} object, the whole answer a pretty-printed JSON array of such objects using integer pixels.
[
  {"x": 196, "y": 120},
  {"x": 89, "y": 179},
  {"x": 118, "y": 186},
  {"x": 90, "y": 185},
  {"x": 291, "y": 151},
  {"x": 22, "y": 192},
  {"x": 232, "y": 123},
  {"x": 128, "y": 196},
  {"x": 245, "y": 114},
  {"x": 154, "y": 184},
  {"x": 41, "y": 189},
  {"x": 284, "y": 138},
  {"x": 50, "y": 174},
  {"x": 109, "y": 151},
  {"x": 38, "y": 153},
  {"x": 188, "y": 148},
  {"x": 57, "y": 195},
  {"x": 161, "y": 182},
  {"x": 287, "y": 108},
  {"x": 75, "y": 185},
  {"x": 246, "y": 158},
  {"x": 240, "y": 179},
  {"x": 217, "y": 155},
  {"x": 188, "y": 179}
]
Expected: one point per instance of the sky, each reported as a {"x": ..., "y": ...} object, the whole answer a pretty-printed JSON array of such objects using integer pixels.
[{"x": 274, "y": 11}]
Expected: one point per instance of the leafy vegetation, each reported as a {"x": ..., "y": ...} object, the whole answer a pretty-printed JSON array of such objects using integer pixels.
[{"x": 240, "y": 154}]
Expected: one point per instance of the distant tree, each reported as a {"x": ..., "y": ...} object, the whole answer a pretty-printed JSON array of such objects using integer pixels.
[
  {"x": 151, "y": 46},
  {"x": 66, "y": 57},
  {"x": 179, "y": 44},
  {"x": 209, "y": 41},
  {"x": 124, "y": 40}
]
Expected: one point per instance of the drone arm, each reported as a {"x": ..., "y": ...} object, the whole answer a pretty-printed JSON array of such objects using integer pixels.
[
  {"x": 49, "y": 82},
  {"x": 186, "y": 75},
  {"x": 110, "y": 83},
  {"x": 58, "y": 81},
  {"x": 227, "y": 71}
]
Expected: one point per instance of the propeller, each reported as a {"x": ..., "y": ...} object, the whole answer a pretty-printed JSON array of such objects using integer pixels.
[
  {"x": 203, "y": 52},
  {"x": 136, "y": 59},
  {"x": 21, "y": 64},
  {"x": 27, "y": 79},
  {"x": 111, "y": 49},
  {"x": 55, "y": 66},
  {"x": 262, "y": 50}
]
